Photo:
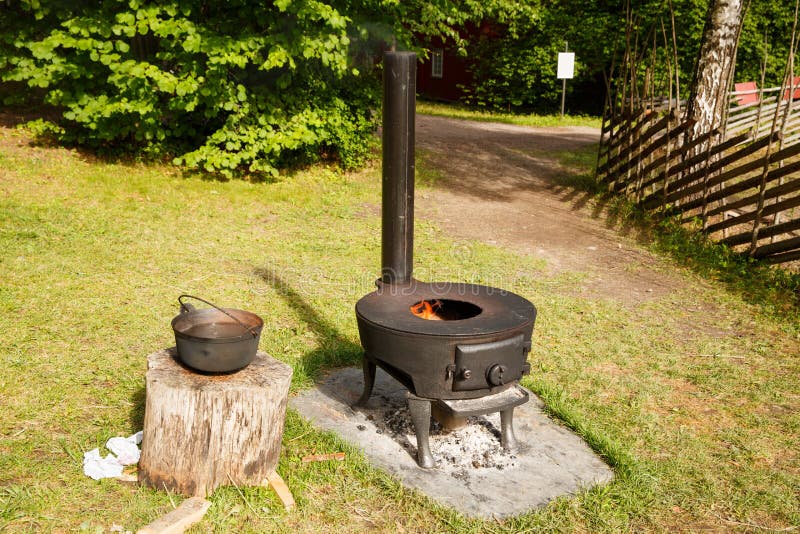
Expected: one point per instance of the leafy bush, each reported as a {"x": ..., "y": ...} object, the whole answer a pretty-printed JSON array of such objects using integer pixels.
[{"x": 228, "y": 87}]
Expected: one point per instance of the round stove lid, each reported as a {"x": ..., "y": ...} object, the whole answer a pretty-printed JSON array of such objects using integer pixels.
[{"x": 499, "y": 310}]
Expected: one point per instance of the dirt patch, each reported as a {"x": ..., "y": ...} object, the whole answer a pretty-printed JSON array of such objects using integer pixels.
[{"x": 504, "y": 185}]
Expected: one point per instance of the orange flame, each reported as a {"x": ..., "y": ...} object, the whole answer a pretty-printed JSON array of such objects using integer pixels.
[{"x": 427, "y": 309}]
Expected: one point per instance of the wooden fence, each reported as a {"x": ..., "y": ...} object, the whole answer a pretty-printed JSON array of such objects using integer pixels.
[
  {"x": 757, "y": 117},
  {"x": 741, "y": 182}
]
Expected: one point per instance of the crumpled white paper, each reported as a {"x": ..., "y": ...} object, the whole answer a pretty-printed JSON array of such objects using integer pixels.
[
  {"x": 126, "y": 451},
  {"x": 97, "y": 467}
]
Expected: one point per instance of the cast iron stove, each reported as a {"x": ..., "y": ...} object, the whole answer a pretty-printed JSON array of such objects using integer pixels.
[{"x": 460, "y": 349}]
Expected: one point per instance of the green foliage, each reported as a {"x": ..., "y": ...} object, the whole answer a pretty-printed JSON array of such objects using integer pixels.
[
  {"x": 45, "y": 132},
  {"x": 225, "y": 87},
  {"x": 516, "y": 68},
  {"x": 244, "y": 87},
  {"x": 518, "y": 77},
  {"x": 514, "y": 64},
  {"x": 767, "y": 29},
  {"x": 228, "y": 87}
]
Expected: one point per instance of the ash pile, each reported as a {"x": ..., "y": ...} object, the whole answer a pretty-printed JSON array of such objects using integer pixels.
[{"x": 474, "y": 446}]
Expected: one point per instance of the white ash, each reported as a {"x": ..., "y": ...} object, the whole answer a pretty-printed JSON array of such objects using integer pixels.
[{"x": 473, "y": 446}]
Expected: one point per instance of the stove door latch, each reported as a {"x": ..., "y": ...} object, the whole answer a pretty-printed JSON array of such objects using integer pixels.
[{"x": 450, "y": 371}]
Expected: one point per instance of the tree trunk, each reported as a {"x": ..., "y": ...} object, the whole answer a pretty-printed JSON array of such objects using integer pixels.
[
  {"x": 708, "y": 103},
  {"x": 204, "y": 431}
]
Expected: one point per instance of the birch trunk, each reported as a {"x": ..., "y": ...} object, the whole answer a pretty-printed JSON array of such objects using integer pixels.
[{"x": 708, "y": 102}]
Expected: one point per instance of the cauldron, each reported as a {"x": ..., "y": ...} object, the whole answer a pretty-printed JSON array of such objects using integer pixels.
[{"x": 216, "y": 340}]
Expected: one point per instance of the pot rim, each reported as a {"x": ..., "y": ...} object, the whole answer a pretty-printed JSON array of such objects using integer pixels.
[{"x": 243, "y": 315}]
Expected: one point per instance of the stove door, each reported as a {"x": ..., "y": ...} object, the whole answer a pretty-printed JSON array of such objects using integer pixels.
[{"x": 489, "y": 365}]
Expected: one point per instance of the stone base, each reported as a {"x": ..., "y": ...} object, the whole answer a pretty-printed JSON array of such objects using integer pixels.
[{"x": 473, "y": 474}]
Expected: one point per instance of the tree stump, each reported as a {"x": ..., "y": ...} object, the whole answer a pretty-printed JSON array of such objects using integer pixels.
[{"x": 204, "y": 431}]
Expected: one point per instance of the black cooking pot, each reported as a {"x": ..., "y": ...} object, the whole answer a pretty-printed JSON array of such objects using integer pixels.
[{"x": 216, "y": 340}]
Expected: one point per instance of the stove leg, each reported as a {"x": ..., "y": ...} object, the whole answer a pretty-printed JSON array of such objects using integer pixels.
[
  {"x": 368, "y": 367},
  {"x": 507, "y": 438},
  {"x": 421, "y": 418}
]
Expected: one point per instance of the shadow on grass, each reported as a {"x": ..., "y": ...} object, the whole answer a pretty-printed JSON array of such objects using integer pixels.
[
  {"x": 334, "y": 350},
  {"x": 774, "y": 290},
  {"x": 127, "y": 152},
  {"x": 136, "y": 415}
]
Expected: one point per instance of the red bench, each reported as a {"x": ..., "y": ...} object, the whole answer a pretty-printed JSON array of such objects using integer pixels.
[
  {"x": 750, "y": 93},
  {"x": 794, "y": 85}
]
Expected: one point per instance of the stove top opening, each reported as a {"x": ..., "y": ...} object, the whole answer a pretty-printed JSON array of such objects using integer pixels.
[{"x": 444, "y": 310}]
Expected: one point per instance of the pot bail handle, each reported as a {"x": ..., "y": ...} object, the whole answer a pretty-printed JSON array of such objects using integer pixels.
[{"x": 189, "y": 308}]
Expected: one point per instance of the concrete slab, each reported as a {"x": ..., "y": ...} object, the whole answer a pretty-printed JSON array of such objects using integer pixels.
[{"x": 473, "y": 473}]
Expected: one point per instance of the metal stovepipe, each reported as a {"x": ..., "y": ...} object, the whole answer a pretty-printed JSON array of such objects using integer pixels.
[{"x": 399, "y": 107}]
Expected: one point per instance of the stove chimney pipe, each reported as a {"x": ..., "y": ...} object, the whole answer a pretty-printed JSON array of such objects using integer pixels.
[{"x": 399, "y": 107}]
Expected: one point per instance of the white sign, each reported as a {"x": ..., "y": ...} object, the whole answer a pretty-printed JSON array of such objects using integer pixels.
[{"x": 566, "y": 65}]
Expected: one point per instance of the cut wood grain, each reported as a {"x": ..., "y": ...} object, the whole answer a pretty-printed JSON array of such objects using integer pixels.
[
  {"x": 281, "y": 489},
  {"x": 339, "y": 456},
  {"x": 178, "y": 520},
  {"x": 204, "y": 431}
]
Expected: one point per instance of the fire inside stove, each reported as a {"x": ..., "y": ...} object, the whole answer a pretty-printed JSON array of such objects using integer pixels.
[{"x": 444, "y": 310}]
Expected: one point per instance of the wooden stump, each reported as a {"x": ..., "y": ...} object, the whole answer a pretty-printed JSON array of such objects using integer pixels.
[{"x": 204, "y": 431}]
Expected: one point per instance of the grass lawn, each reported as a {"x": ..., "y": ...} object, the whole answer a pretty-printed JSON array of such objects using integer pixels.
[
  {"x": 458, "y": 112},
  {"x": 692, "y": 398}
]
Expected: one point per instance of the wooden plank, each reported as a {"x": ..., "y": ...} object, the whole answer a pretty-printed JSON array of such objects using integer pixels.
[
  {"x": 692, "y": 144},
  {"x": 282, "y": 490},
  {"x": 749, "y": 183},
  {"x": 661, "y": 141},
  {"x": 338, "y": 456},
  {"x": 769, "y": 231},
  {"x": 769, "y": 102},
  {"x": 755, "y": 181},
  {"x": 625, "y": 141},
  {"x": 775, "y": 248},
  {"x": 751, "y": 215},
  {"x": 750, "y": 166},
  {"x": 622, "y": 140},
  {"x": 633, "y": 158},
  {"x": 178, "y": 520},
  {"x": 612, "y": 161},
  {"x": 759, "y": 122},
  {"x": 658, "y": 126},
  {"x": 695, "y": 160},
  {"x": 678, "y": 130},
  {"x": 624, "y": 128},
  {"x": 783, "y": 258},
  {"x": 679, "y": 186},
  {"x": 752, "y": 113}
]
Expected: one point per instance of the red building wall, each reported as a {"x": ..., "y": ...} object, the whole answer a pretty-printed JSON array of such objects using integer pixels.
[{"x": 446, "y": 88}]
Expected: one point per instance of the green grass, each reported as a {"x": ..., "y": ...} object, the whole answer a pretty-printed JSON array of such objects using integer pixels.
[
  {"x": 691, "y": 397},
  {"x": 458, "y": 112}
]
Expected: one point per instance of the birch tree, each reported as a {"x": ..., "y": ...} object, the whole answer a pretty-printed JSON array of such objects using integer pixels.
[{"x": 708, "y": 102}]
